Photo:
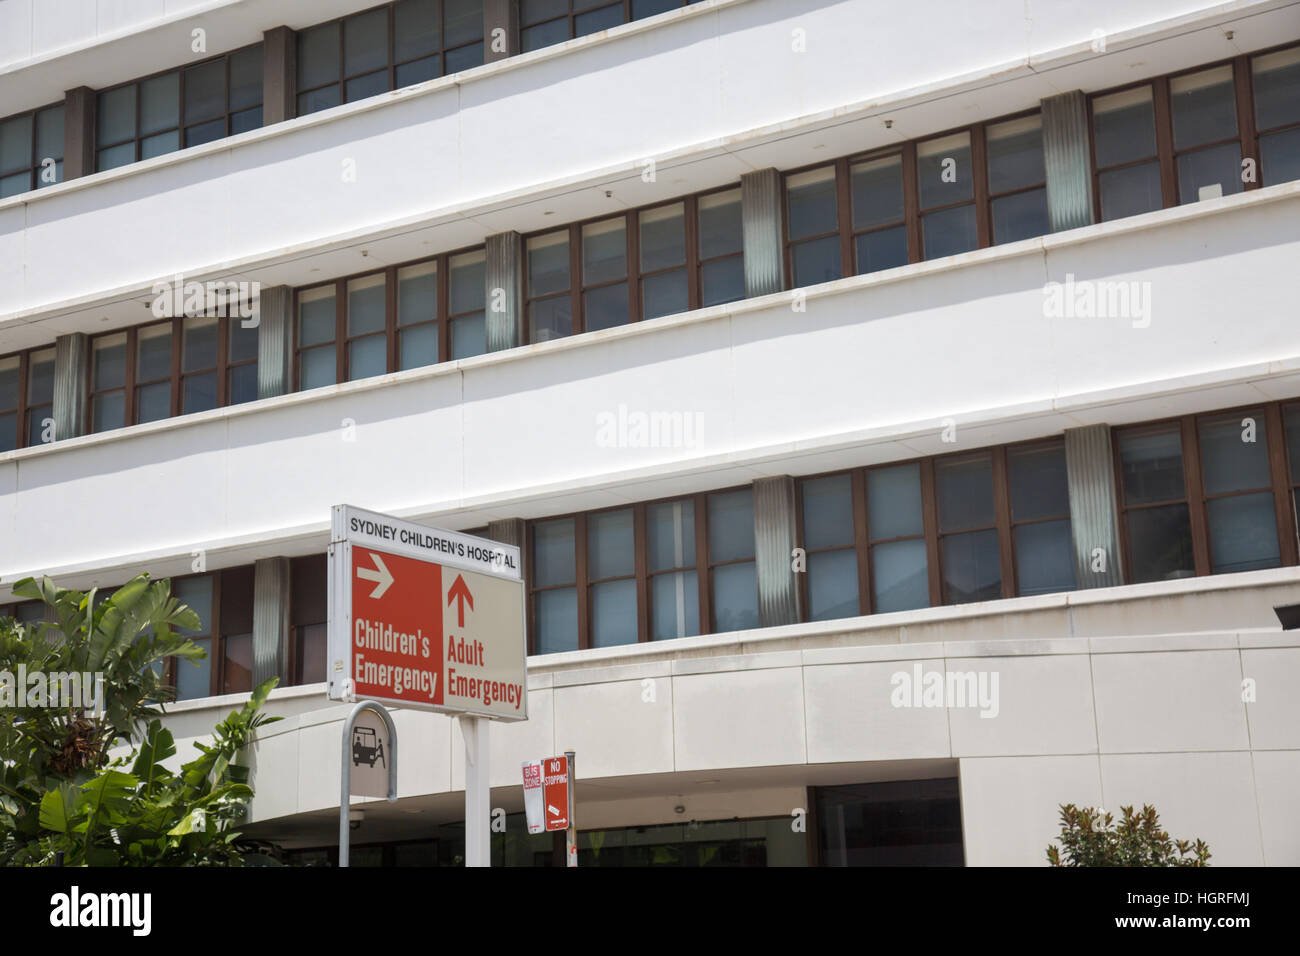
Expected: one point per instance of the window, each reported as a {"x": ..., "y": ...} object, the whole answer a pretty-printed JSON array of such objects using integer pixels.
[
  {"x": 946, "y": 530},
  {"x": 1188, "y": 137},
  {"x": 611, "y": 572},
  {"x": 731, "y": 561},
  {"x": 224, "y": 603},
  {"x": 896, "y": 534},
  {"x": 1040, "y": 518},
  {"x": 1124, "y": 153},
  {"x": 546, "y": 22},
  {"x": 1207, "y": 141},
  {"x": 31, "y": 151},
  {"x": 1154, "y": 495},
  {"x": 828, "y": 537},
  {"x": 722, "y": 254},
  {"x": 1017, "y": 179},
  {"x": 1240, "y": 518},
  {"x": 969, "y": 552},
  {"x": 161, "y": 114},
  {"x": 1276, "y": 82},
  {"x": 879, "y": 221},
  {"x": 401, "y": 318},
  {"x": 894, "y": 823},
  {"x": 657, "y": 261},
  {"x": 308, "y": 619},
  {"x": 174, "y": 367},
  {"x": 812, "y": 218},
  {"x": 1207, "y": 494},
  {"x": 1292, "y": 487},
  {"x": 946, "y": 185},
  {"x": 387, "y": 48},
  {"x": 923, "y": 200},
  {"x": 554, "y": 592},
  {"x": 673, "y": 579},
  {"x": 223, "y": 97},
  {"x": 26, "y": 399},
  {"x": 625, "y": 575}
]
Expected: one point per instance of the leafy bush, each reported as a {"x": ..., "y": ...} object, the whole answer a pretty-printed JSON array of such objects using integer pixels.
[
  {"x": 64, "y": 798},
  {"x": 1089, "y": 838}
]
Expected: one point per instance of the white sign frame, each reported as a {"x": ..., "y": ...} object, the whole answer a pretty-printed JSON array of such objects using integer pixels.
[{"x": 352, "y": 527}]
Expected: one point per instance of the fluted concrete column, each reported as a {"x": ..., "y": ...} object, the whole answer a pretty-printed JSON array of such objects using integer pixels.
[
  {"x": 1094, "y": 511},
  {"x": 71, "y": 368},
  {"x": 279, "y": 75},
  {"x": 270, "y": 619},
  {"x": 511, "y": 531},
  {"x": 760, "y": 204},
  {"x": 504, "y": 276},
  {"x": 78, "y": 132},
  {"x": 500, "y": 29},
  {"x": 779, "y": 599},
  {"x": 274, "y": 341},
  {"x": 1065, "y": 156}
]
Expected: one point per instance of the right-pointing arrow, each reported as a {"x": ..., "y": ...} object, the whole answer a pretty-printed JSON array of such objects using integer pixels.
[{"x": 382, "y": 577}]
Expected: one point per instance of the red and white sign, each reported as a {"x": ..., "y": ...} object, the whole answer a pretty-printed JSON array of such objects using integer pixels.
[
  {"x": 533, "y": 796},
  {"x": 425, "y": 618},
  {"x": 555, "y": 792}
]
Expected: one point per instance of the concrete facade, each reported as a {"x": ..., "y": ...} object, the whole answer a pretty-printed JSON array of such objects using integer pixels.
[{"x": 1107, "y": 695}]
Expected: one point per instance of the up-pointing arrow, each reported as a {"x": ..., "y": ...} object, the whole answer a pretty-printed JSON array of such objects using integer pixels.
[
  {"x": 383, "y": 578},
  {"x": 459, "y": 592}
]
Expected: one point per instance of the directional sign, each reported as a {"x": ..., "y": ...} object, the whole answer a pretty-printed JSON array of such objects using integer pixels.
[
  {"x": 555, "y": 792},
  {"x": 533, "y": 796},
  {"x": 425, "y": 618}
]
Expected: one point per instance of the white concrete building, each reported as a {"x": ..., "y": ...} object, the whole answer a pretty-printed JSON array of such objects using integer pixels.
[{"x": 806, "y": 348}]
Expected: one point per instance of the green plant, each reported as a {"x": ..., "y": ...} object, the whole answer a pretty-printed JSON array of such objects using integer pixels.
[
  {"x": 1090, "y": 837},
  {"x": 65, "y": 797}
]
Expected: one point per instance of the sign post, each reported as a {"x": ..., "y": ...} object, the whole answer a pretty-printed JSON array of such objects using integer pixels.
[
  {"x": 549, "y": 800},
  {"x": 378, "y": 746},
  {"x": 571, "y": 832},
  {"x": 433, "y": 620}
]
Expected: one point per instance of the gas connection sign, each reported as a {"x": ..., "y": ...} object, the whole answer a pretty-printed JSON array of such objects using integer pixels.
[{"x": 425, "y": 618}]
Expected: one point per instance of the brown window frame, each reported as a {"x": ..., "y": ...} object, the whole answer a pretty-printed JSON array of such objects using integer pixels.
[
  {"x": 1166, "y": 156},
  {"x": 25, "y": 408},
  {"x": 694, "y": 247},
  {"x": 1194, "y": 496},
  {"x": 176, "y": 376},
  {"x": 392, "y": 331},
  {"x": 692, "y": 266},
  {"x": 390, "y": 61},
  {"x": 1258, "y": 134},
  {"x": 181, "y": 126},
  {"x": 33, "y": 168},
  {"x": 571, "y": 16},
  {"x": 913, "y": 213},
  {"x": 215, "y": 634},
  {"x": 583, "y": 583},
  {"x": 863, "y": 546},
  {"x": 294, "y": 652}
]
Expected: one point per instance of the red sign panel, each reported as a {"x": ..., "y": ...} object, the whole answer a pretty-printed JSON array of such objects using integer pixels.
[
  {"x": 555, "y": 792},
  {"x": 396, "y": 640}
]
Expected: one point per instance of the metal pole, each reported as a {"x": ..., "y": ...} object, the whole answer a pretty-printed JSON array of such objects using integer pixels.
[
  {"x": 345, "y": 796},
  {"x": 478, "y": 791},
  {"x": 571, "y": 834}
]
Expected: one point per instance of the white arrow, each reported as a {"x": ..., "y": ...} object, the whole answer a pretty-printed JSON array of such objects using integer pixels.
[{"x": 383, "y": 578}]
